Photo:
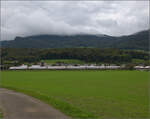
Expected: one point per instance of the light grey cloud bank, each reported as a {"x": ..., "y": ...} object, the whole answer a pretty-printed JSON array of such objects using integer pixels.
[{"x": 64, "y": 17}]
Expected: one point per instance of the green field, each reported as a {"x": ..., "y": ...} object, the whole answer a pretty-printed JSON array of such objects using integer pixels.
[
  {"x": 66, "y": 61},
  {"x": 83, "y": 94},
  {"x": 1, "y": 115}
]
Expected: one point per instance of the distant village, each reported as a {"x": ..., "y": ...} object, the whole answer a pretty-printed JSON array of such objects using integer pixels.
[{"x": 45, "y": 66}]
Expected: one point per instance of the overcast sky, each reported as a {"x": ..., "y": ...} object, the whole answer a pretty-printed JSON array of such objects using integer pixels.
[{"x": 110, "y": 17}]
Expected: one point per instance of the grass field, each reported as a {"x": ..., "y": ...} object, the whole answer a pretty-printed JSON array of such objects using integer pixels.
[
  {"x": 86, "y": 94},
  {"x": 66, "y": 61},
  {"x": 1, "y": 115}
]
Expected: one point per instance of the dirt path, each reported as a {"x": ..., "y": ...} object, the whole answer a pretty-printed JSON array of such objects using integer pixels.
[{"x": 19, "y": 106}]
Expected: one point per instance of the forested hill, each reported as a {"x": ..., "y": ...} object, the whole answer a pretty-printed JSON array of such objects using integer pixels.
[{"x": 138, "y": 41}]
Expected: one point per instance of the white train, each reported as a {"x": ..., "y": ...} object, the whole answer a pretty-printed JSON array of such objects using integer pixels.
[{"x": 23, "y": 67}]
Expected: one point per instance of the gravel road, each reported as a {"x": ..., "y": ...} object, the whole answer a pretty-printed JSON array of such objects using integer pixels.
[{"x": 19, "y": 106}]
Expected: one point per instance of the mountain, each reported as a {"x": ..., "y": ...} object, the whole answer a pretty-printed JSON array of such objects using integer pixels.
[{"x": 139, "y": 41}]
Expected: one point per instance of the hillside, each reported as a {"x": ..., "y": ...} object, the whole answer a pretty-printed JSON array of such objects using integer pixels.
[{"x": 138, "y": 41}]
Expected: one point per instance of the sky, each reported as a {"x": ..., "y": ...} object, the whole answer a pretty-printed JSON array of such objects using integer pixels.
[{"x": 113, "y": 18}]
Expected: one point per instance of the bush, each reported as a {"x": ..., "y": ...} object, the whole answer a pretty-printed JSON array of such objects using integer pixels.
[{"x": 130, "y": 66}]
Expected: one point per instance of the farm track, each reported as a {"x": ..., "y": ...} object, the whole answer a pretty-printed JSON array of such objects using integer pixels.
[{"x": 19, "y": 106}]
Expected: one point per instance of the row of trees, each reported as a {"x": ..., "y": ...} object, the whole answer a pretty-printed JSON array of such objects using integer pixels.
[{"x": 16, "y": 56}]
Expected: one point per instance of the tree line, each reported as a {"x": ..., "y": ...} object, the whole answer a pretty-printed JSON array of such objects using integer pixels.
[{"x": 17, "y": 56}]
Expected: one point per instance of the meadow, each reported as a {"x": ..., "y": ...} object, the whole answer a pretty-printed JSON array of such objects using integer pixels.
[
  {"x": 85, "y": 93},
  {"x": 66, "y": 61},
  {"x": 1, "y": 115}
]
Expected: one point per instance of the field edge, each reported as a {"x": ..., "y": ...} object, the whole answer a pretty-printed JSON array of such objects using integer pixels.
[{"x": 64, "y": 107}]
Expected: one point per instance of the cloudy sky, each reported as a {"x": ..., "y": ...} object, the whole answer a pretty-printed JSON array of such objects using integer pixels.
[{"x": 99, "y": 17}]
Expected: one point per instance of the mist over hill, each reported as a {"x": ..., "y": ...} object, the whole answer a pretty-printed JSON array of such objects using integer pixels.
[{"x": 138, "y": 41}]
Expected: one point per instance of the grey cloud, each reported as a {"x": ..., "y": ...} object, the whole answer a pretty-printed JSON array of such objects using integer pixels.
[
  {"x": 107, "y": 23},
  {"x": 74, "y": 17}
]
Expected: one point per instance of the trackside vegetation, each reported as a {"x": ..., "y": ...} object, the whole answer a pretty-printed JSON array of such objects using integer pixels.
[
  {"x": 86, "y": 93},
  {"x": 65, "y": 61}
]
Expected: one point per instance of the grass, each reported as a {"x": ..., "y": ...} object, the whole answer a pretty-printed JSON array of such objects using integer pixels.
[
  {"x": 1, "y": 115},
  {"x": 137, "y": 61},
  {"x": 66, "y": 61},
  {"x": 86, "y": 94}
]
